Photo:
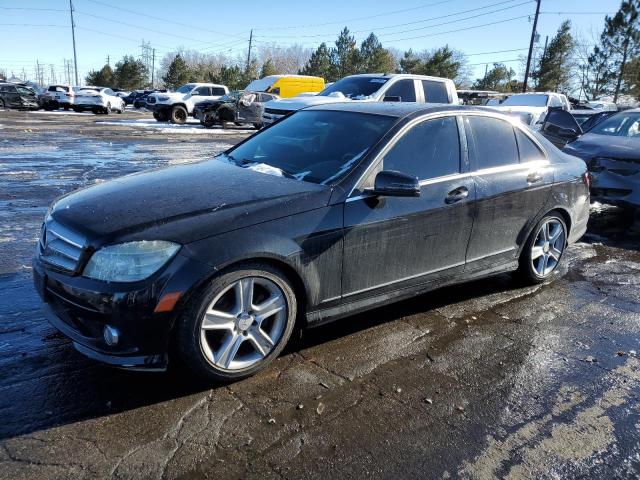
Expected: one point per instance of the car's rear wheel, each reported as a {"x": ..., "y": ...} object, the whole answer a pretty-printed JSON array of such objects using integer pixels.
[
  {"x": 238, "y": 324},
  {"x": 160, "y": 117},
  {"x": 107, "y": 109},
  {"x": 543, "y": 250},
  {"x": 1, "y": 103},
  {"x": 179, "y": 115},
  {"x": 66, "y": 108}
]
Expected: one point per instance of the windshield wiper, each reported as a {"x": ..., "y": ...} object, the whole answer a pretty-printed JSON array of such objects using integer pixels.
[{"x": 248, "y": 163}]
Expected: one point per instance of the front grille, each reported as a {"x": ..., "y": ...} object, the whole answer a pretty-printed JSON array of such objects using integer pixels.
[
  {"x": 276, "y": 111},
  {"x": 60, "y": 247}
]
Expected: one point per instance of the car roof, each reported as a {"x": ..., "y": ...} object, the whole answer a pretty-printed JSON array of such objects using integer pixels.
[
  {"x": 398, "y": 75},
  {"x": 396, "y": 109}
]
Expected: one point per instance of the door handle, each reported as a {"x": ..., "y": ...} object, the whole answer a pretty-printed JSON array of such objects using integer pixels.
[
  {"x": 456, "y": 195},
  {"x": 534, "y": 177}
]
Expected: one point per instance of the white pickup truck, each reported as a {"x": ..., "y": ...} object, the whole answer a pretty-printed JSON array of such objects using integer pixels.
[
  {"x": 370, "y": 87},
  {"x": 532, "y": 107},
  {"x": 177, "y": 106}
]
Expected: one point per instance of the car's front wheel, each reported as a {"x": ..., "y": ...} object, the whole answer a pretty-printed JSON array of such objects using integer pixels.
[
  {"x": 179, "y": 115},
  {"x": 544, "y": 248},
  {"x": 238, "y": 324},
  {"x": 160, "y": 117}
]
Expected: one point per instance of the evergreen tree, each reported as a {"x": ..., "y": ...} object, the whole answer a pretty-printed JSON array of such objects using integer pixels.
[
  {"x": 631, "y": 78},
  {"x": 621, "y": 38},
  {"x": 497, "y": 79},
  {"x": 442, "y": 63},
  {"x": 177, "y": 73},
  {"x": 344, "y": 56},
  {"x": 599, "y": 79},
  {"x": 373, "y": 58},
  {"x": 554, "y": 72},
  {"x": 268, "y": 68},
  {"x": 101, "y": 78},
  {"x": 319, "y": 64},
  {"x": 130, "y": 73},
  {"x": 410, "y": 63}
]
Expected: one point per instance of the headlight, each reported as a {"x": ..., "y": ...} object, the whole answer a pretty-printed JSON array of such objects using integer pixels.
[
  {"x": 162, "y": 98},
  {"x": 129, "y": 262}
]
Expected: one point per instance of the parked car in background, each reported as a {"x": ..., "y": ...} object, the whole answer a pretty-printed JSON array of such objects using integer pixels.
[
  {"x": 531, "y": 107},
  {"x": 177, "y": 106},
  {"x": 291, "y": 227},
  {"x": 18, "y": 96},
  {"x": 603, "y": 105},
  {"x": 239, "y": 107},
  {"x": 610, "y": 148},
  {"x": 479, "y": 97},
  {"x": 286, "y": 86},
  {"x": 122, "y": 94},
  {"x": 58, "y": 96},
  {"x": 98, "y": 100},
  {"x": 370, "y": 88}
]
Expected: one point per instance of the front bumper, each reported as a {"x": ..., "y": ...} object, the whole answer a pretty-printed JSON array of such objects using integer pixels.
[
  {"x": 615, "y": 181},
  {"x": 158, "y": 107},
  {"x": 80, "y": 308}
]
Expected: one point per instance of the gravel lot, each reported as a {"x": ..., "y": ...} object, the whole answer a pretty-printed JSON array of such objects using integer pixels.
[{"x": 479, "y": 381}]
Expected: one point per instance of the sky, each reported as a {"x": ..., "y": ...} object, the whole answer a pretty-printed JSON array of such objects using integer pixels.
[{"x": 487, "y": 31}]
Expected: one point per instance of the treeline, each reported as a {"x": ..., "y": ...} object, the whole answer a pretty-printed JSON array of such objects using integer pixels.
[{"x": 612, "y": 67}]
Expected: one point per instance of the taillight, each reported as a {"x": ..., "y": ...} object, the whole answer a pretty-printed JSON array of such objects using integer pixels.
[{"x": 586, "y": 179}]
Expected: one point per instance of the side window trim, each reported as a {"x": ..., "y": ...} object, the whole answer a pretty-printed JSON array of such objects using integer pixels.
[{"x": 376, "y": 162}]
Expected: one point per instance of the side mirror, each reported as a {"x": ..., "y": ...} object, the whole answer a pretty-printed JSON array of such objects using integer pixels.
[
  {"x": 568, "y": 133},
  {"x": 391, "y": 98},
  {"x": 390, "y": 183}
]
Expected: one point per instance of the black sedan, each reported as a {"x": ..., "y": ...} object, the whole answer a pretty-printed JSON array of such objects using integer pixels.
[
  {"x": 334, "y": 210},
  {"x": 18, "y": 96},
  {"x": 610, "y": 145}
]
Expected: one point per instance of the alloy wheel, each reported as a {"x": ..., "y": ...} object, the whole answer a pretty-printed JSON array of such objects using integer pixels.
[
  {"x": 243, "y": 323},
  {"x": 548, "y": 246}
]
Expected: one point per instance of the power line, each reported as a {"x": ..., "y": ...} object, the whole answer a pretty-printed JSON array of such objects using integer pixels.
[
  {"x": 34, "y": 9},
  {"x": 167, "y": 20},
  {"x": 287, "y": 27},
  {"x": 375, "y": 29},
  {"x": 32, "y": 25}
]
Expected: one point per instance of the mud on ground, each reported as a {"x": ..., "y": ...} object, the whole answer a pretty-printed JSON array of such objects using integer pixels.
[{"x": 483, "y": 380}]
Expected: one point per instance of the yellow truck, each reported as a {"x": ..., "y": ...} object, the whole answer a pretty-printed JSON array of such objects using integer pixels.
[{"x": 287, "y": 86}]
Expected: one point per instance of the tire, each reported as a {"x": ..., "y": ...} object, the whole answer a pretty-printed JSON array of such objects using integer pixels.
[
  {"x": 66, "y": 108},
  {"x": 2, "y": 104},
  {"x": 543, "y": 250},
  {"x": 77, "y": 110},
  {"x": 257, "y": 126},
  {"x": 238, "y": 343},
  {"x": 160, "y": 117},
  {"x": 107, "y": 109},
  {"x": 179, "y": 115},
  {"x": 96, "y": 111}
]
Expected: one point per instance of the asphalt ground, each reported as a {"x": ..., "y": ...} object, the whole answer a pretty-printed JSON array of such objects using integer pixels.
[{"x": 482, "y": 380}]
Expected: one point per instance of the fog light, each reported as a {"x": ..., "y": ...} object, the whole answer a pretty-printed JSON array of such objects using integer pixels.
[{"x": 111, "y": 335}]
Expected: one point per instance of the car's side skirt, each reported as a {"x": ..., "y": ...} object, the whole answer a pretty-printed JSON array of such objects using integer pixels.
[{"x": 322, "y": 316}]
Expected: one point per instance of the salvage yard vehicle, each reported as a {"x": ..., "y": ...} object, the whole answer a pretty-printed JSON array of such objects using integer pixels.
[
  {"x": 58, "y": 96},
  {"x": 239, "y": 107},
  {"x": 334, "y": 210},
  {"x": 610, "y": 148},
  {"x": 177, "y": 106},
  {"x": 531, "y": 107},
  {"x": 370, "y": 88},
  {"x": 286, "y": 86},
  {"x": 18, "y": 96},
  {"x": 98, "y": 100}
]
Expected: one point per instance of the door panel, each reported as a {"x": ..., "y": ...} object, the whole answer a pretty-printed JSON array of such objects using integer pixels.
[
  {"x": 391, "y": 242},
  {"x": 509, "y": 194}
]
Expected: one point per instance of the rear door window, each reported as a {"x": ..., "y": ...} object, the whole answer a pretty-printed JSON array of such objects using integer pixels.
[
  {"x": 404, "y": 89},
  {"x": 529, "y": 151},
  {"x": 202, "y": 91},
  {"x": 435, "y": 92},
  {"x": 493, "y": 142},
  {"x": 217, "y": 91},
  {"x": 428, "y": 150}
]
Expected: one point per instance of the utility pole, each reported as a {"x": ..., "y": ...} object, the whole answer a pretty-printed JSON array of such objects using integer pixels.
[
  {"x": 249, "y": 54},
  {"x": 153, "y": 69},
  {"x": 486, "y": 69},
  {"x": 533, "y": 37},
  {"x": 108, "y": 60},
  {"x": 73, "y": 36},
  {"x": 53, "y": 74}
]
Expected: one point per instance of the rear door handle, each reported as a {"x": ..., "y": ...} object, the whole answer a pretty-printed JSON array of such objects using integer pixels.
[
  {"x": 534, "y": 177},
  {"x": 456, "y": 195}
]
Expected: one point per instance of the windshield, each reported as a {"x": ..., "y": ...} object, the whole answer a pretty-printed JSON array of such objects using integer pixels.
[
  {"x": 526, "y": 101},
  {"x": 620, "y": 125},
  {"x": 261, "y": 85},
  {"x": 355, "y": 87},
  {"x": 313, "y": 146},
  {"x": 186, "y": 88},
  {"x": 25, "y": 91}
]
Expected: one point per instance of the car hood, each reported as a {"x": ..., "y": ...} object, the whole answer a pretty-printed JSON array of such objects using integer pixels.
[
  {"x": 296, "y": 103},
  {"x": 184, "y": 203},
  {"x": 591, "y": 145}
]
